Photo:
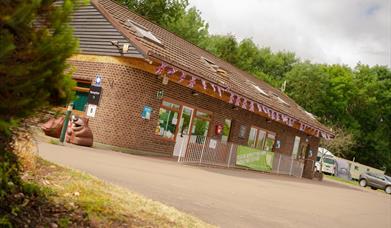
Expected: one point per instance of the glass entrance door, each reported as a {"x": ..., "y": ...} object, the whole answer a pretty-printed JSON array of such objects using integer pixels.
[{"x": 182, "y": 137}]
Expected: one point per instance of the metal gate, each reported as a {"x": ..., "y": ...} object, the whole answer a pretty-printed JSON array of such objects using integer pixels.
[{"x": 209, "y": 151}]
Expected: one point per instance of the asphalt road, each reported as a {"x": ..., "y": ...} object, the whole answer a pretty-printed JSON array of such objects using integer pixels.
[{"x": 231, "y": 198}]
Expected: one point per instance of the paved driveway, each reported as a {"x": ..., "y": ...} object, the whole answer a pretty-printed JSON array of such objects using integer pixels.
[{"x": 231, "y": 198}]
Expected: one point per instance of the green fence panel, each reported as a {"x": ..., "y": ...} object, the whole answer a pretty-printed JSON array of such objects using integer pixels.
[{"x": 254, "y": 158}]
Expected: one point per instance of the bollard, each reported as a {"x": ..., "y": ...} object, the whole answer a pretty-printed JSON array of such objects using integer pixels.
[{"x": 66, "y": 120}]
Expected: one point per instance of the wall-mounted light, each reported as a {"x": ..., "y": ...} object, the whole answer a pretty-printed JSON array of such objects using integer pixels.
[
  {"x": 165, "y": 80},
  {"x": 194, "y": 93},
  {"x": 235, "y": 108},
  {"x": 160, "y": 94}
]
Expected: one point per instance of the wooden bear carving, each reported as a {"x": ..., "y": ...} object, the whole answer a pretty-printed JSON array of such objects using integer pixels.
[
  {"x": 53, "y": 127},
  {"x": 78, "y": 132}
]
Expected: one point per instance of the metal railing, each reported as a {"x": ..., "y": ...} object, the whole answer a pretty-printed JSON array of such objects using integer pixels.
[
  {"x": 206, "y": 150},
  {"x": 209, "y": 151}
]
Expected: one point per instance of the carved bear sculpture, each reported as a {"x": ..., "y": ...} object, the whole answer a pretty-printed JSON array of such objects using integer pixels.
[
  {"x": 78, "y": 132},
  {"x": 53, "y": 127}
]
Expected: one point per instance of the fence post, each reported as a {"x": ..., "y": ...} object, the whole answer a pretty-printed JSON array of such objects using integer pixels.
[
  {"x": 290, "y": 170},
  {"x": 279, "y": 162},
  {"x": 230, "y": 155},
  {"x": 203, "y": 148}
]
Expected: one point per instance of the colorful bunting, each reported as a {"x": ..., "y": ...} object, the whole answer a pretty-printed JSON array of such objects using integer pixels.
[{"x": 236, "y": 99}]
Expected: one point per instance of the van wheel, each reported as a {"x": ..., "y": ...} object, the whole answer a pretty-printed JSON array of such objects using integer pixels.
[
  {"x": 363, "y": 183},
  {"x": 388, "y": 189}
]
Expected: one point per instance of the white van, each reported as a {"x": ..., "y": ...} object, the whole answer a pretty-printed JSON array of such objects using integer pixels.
[{"x": 326, "y": 161}]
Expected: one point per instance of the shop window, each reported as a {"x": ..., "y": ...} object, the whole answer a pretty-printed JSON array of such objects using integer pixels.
[
  {"x": 252, "y": 137},
  {"x": 261, "y": 139},
  {"x": 82, "y": 89},
  {"x": 168, "y": 120},
  {"x": 200, "y": 126},
  {"x": 296, "y": 145},
  {"x": 269, "y": 143},
  {"x": 226, "y": 130}
]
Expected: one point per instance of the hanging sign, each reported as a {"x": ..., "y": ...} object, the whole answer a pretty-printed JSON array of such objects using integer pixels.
[{"x": 94, "y": 95}]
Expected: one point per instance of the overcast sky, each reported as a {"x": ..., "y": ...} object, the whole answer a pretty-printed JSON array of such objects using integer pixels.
[{"x": 331, "y": 31}]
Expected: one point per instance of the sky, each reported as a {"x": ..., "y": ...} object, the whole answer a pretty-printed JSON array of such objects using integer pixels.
[{"x": 322, "y": 31}]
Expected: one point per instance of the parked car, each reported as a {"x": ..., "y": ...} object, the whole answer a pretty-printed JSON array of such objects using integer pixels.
[{"x": 376, "y": 181}]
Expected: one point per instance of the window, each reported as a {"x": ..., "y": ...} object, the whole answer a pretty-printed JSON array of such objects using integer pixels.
[
  {"x": 82, "y": 89},
  {"x": 201, "y": 124},
  {"x": 226, "y": 130},
  {"x": 215, "y": 67},
  {"x": 280, "y": 100},
  {"x": 252, "y": 138},
  {"x": 296, "y": 145},
  {"x": 168, "y": 120},
  {"x": 142, "y": 31},
  {"x": 261, "y": 91},
  {"x": 269, "y": 143},
  {"x": 261, "y": 139}
]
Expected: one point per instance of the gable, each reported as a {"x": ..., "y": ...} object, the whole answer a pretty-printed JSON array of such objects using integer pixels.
[{"x": 96, "y": 34}]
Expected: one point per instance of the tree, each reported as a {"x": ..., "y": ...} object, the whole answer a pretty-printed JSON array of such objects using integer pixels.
[
  {"x": 172, "y": 15},
  {"x": 223, "y": 46},
  {"x": 35, "y": 41}
]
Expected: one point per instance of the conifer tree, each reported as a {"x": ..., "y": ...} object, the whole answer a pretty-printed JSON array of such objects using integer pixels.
[{"x": 35, "y": 41}]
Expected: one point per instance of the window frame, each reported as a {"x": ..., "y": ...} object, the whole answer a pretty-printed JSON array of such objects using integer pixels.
[
  {"x": 267, "y": 133},
  {"x": 180, "y": 110}
]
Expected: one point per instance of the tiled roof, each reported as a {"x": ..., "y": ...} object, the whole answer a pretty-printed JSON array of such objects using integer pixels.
[{"x": 189, "y": 57}]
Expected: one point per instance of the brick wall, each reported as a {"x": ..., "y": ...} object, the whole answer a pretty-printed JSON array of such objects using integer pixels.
[{"x": 127, "y": 90}]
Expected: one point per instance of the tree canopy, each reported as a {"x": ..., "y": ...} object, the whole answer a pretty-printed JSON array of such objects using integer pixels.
[{"x": 354, "y": 101}]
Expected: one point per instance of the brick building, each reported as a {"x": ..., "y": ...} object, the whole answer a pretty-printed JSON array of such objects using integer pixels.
[{"x": 158, "y": 90}]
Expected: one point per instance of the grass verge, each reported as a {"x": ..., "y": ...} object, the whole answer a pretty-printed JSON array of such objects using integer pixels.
[
  {"x": 99, "y": 204},
  {"x": 338, "y": 179}
]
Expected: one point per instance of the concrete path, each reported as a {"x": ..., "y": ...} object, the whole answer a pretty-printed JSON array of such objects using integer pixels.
[{"x": 231, "y": 198}]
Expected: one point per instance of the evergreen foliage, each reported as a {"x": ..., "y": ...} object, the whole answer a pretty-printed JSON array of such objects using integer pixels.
[{"x": 35, "y": 41}]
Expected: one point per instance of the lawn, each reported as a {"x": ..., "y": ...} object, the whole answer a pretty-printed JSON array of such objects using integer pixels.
[{"x": 75, "y": 199}]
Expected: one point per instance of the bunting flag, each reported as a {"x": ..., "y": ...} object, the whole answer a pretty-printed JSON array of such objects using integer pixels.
[
  {"x": 265, "y": 109},
  {"x": 192, "y": 82},
  {"x": 244, "y": 104},
  {"x": 284, "y": 118},
  {"x": 171, "y": 71},
  {"x": 203, "y": 84},
  {"x": 251, "y": 106},
  {"x": 161, "y": 68},
  {"x": 182, "y": 77},
  {"x": 231, "y": 98},
  {"x": 213, "y": 87},
  {"x": 291, "y": 122},
  {"x": 237, "y": 103},
  {"x": 317, "y": 132},
  {"x": 219, "y": 89}
]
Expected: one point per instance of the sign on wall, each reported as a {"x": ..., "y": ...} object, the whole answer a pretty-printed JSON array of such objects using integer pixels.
[
  {"x": 242, "y": 132},
  {"x": 91, "y": 110},
  {"x": 94, "y": 95},
  {"x": 146, "y": 114}
]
